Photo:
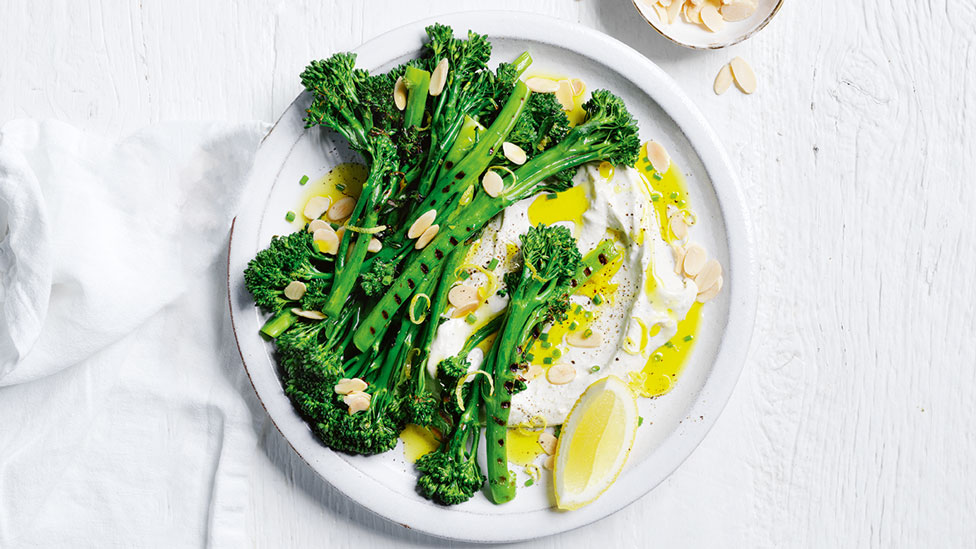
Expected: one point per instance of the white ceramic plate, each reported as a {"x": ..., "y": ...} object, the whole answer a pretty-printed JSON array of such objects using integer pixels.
[
  {"x": 699, "y": 38},
  {"x": 676, "y": 423}
]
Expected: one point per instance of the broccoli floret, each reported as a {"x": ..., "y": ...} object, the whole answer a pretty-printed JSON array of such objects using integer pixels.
[
  {"x": 454, "y": 367},
  {"x": 542, "y": 124},
  {"x": 369, "y": 432},
  {"x": 379, "y": 276},
  {"x": 287, "y": 258}
]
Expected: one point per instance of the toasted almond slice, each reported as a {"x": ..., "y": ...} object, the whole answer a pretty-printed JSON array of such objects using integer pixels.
[
  {"x": 692, "y": 13},
  {"x": 311, "y": 315},
  {"x": 374, "y": 246},
  {"x": 551, "y": 460},
  {"x": 514, "y": 153},
  {"x": 357, "y": 402},
  {"x": 339, "y": 232},
  {"x": 295, "y": 290},
  {"x": 659, "y": 157},
  {"x": 439, "y": 77},
  {"x": 326, "y": 240},
  {"x": 342, "y": 208},
  {"x": 695, "y": 259},
  {"x": 493, "y": 183},
  {"x": 421, "y": 224},
  {"x": 561, "y": 374},
  {"x": 696, "y": 2},
  {"x": 673, "y": 10},
  {"x": 424, "y": 239},
  {"x": 462, "y": 294},
  {"x": 463, "y": 310},
  {"x": 723, "y": 80},
  {"x": 709, "y": 275},
  {"x": 666, "y": 3},
  {"x": 711, "y": 17},
  {"x": 578, "y": 86},
  {"x": 711, "y": 292},
  {"x": 745, "y": 78},
  {"x": 738, "y": 10},
  {"x": 317, "y": 224},
  {"x": 678, "y": 227},
  {"x": 349, "y": 385},
  {"x": 539, "y": 84},
  {"x": 577, "y": 339},
  {"x": 533, "y": 372},
  {"x": 661, "y": 13},
  {"x": 548, "y": 442},
  {"x": 679, "y": 256},
  {"x": 565, "y": 95},
  {"x": 400, "y": 94},
  {"x": 316, "y": 206}
]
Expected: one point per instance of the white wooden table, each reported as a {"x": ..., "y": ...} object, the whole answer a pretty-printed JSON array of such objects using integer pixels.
[{"x": 853, "y": 423}]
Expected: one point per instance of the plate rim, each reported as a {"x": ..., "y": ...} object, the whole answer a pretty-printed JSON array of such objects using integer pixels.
[{"x": 653, "y": 82}]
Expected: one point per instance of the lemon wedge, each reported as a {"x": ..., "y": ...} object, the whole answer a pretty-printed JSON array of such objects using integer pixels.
[{"x": 595, "y": 442}]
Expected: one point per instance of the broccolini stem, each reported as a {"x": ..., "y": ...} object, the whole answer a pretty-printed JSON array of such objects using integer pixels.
[
  {"x": 277, "y": 324},
  {"x": 418, "y": 83}
]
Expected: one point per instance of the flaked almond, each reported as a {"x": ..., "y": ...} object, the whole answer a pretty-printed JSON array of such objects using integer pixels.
[
  {"x": 465, "y": 309},
  {"x": 349, "y": 385},
  {"x": 710, "y": 293},
  {"x": 709, "y": 275},
  {"x": 295, "y": 290},
  {"x": 744, "y": 76},
  {"x": 673, "y": 11},
  {"x": 326, "y": 240},
  {"x": 539, "y": 84},
  {"x": 514, "y": 153},
  {"x": 421, "y": 224},
  {"x": 661, "y": 12},
  {"x": 692, "y": 13},
  {"x": 340, "y": 232},
  {"x": 738, "y": 10},
  {"x": 666, "y": 3},
  {"x": 317, "y": 224},
  {"x": 357, "y": 402},
  {"x": 678, "y": 227},
  {"x": 695, "y": 258},
  {"x": 492, "y": 183},
  {"x": 577, "y": 86},
  {"x": 375, "y": 245},
  {"x": 311, "y": 315},
  {"x": 564, "y": 94},
  {"x": 561, "y": 374},
  {"x": 400, "y": 94},
  {"x": 659, "y": 157},
  {"x": 586, "y": 339},
  {"x": 439, "y": 77},
  {"x": 723, "y": 80},
  {"x": 462, "y": 294},
  {"x": 533, "y": 371},
  {"x": 424, "y": 239},
  {"x": 342, "y": 208},
  {"x": 711, "y": 17},
  {"x": 316, "y": 206},
  {"x": 548, "y": 442},
  {"x": 549, "y": 463},
  {"x": 679, "y": 256}
]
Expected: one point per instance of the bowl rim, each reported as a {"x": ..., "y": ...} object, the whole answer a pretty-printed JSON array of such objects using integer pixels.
[{"x": 738, "y": 39}]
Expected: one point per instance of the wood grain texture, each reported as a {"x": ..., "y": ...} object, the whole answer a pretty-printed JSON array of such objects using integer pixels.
[{"x": 852, "y": 424}]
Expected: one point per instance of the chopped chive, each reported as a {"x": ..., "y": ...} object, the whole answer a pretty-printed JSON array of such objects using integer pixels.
[
  {"x": 587, "y": 315},
  {"x": 544, "y": 336},
  {"x": 658, "y": 176},
  {"x": 573, "y": 325},
  {"x": 655, "y": 197},
  {"x": 689, "y": 337},
  {"x": 669, "y": 345},
  {"x": 471, "y": 319},
  {"x": 464, "y": 275},
  {"x": 594, "y": 369},
  {"x": 681, "y": 203},
  {"x": 529, "y": 482},
  {"x": 529, "y": 357},
  {"x": 492, "y": 264},
  {"x": 657, "y": 357},
  {"x": 587, "y": 333},
  {"x": 547, "y": 360},
  {"x": 640, "y": 420},
  {"x": 340, "y": 187},
  {"x": 290, "y": 216},
  {"x": 546, "y": 344},
  {"x": 579, "y": 309},
  {"x": 303, "y": 180},
  {"x": 597, "y": 299},
  {"x": 556, "y": 353},
  {"x": 674, "y": 194},
  {"x": 552, "y": 196}
]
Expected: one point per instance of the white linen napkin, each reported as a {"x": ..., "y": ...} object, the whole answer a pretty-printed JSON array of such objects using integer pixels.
[{"x": 123, "y": 420}]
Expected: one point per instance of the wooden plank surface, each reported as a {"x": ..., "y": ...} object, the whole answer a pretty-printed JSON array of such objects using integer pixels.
[{"x": 853, "y": 422}]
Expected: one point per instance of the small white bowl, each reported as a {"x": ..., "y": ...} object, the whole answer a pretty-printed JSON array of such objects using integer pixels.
[{"x": 699, "y": 38}]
